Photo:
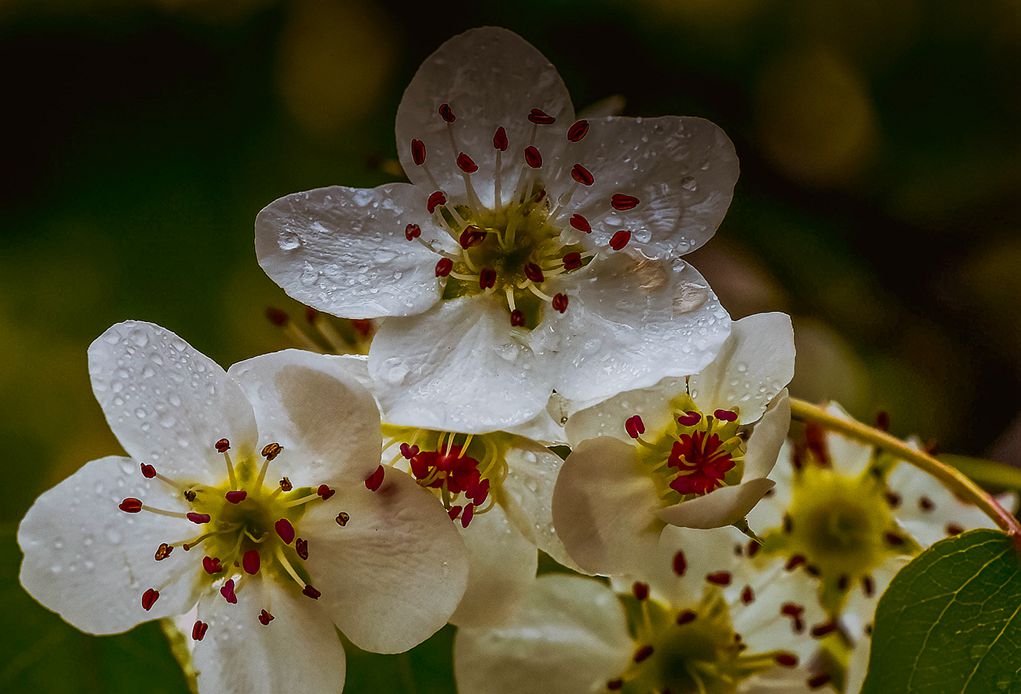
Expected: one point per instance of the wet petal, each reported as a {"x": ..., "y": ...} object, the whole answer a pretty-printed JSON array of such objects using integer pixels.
[
  {"x": 607, "y": 418},
  {"x": 721, "y": 507},
  {"x": 928, "y": 511},
  {"x": 768, "y": 437}
]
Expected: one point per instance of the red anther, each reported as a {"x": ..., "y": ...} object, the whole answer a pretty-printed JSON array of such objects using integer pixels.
[
  {"x": 686, "y": 617},
  {"x": 532, "y": 157},
  {"x": 277, "y": 317},
  {"x": 893, "y": 499},
  {"x": 818, "y": 681},
  {"x": 284, "y": 530},
  {"x": 786, "y": 659},
  {"x": 792, "y": 609},
  {"x": 680, "y": 564},
  {"x": 223, "y": 445},
  {"x": 311, "y": 592},
  {"x": 227, "y": 591},
  {"x": 560, "y": 302},
  {"x": 615, "y": 685},
  {"x": 534, "y": 272},
  {"x": 412, "y": 232},
  {"x": 198, "y": 518},
  {"x": 643, "y": 653},
  {"x": 285, "y": 484},
  {"x": 719, "y": 578},
  {"x": 409, "y": 451},
  {"x": 753, "y": 548},
  {"x": 454, "y": 512},
  {"x": 211, "y": 565},
  {"x": 634, "y": 426},
  {"x": 198, "y": 630},
  {"x": 725, "y": 415},
  {"x": 795, "y": 561},
  {"x": 325, "y": 492},
  {"x": 690, "y": 419},
  {"x": 271, "y": 450},
  {"x": 149, "y": 598},
  {"x": 500, "y": 140},
  {"x": 236, "y": 497},
  {"x": 580, "y": 223},
  {"x": 582, "y": 175},
  {"x": 131, "y": 505},
  {"x": 373, "y": 481},
  {"x": 487, "y": 278},
  {"x": 577, "y": 131},
  {"x": 265, "y": 618},
  {"x": 747, "y": 595},
  {"x": 623, "y": 203},
  {"x": 444, "y": 266},
  {"x": 467, "y": 515},
  {"x": 640, "y": 590},
  {"x": 435, "y": 200},
  {"x": 417, "y": 152},
  {"x": 466, "y": 163},
  {"x": 895, "y": 539},
  {"x": 620, "y": 239},
  {"x": 148, "y": 471},
  {"x": 251, "y": 561},
  {"x": 517, "y": 318},
  {"x": 824, "y": 629},
  {"x": 163, "y": 551},
  {"x": 471, "y": 236},
  {"x": 363, "y": 326},
  {"x": 342, "y": 518},
  {"x": 954, "y": 529},
  {"x": 883, "y": 420},
  {"x": 926, "y": 504},
  {"x": 447, "y": 113},
  {"x": 540, "y": 117},
  {"x": 572, "y": 261},
  {"x": 301, "y": 547}
]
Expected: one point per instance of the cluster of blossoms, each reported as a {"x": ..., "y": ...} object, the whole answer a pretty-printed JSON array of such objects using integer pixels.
[{"x": 533, "y": 265}]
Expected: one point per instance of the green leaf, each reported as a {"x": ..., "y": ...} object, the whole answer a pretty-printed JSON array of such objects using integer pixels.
[{"x": 951, "y": 621}]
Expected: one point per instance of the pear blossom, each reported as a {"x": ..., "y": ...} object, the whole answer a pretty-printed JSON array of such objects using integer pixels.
[
  {"x": 691, "y": 452},
  {"x": 530, "y": 252},
  {"x": 255, "y": 494},
  {"x": 695, "y": 617}
]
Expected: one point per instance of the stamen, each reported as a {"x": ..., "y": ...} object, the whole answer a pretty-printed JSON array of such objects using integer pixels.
[
  {"x": 824, "y": 629},
  {"x": 148, "y": 471},
  {"x": 719, "y": 578},
  {"x": 196, "y": 518},
  {"x": 417, "y": 152},
  {"x": 643, "y": 653},
  {"x": 342, "y": 518},
  {"x": 500, "y": 141},
  {"x": 786, "y": 659},
  {"x": 467, "y": 515},
  {"x": 198, "y": 630},
  {"x": 634, "y": 426},
  {"x": 623, "y": 203},
  {"x": 725, "y": 415},
  {"x": 690, "y": 419},
  {"x": 311, "y": 592},
  {"x": 580, "y": 223},
  {"x": 444, "y": 266},
  {"x": 325, "y": 491},
  {"x": 228, "y": 592},
  {"x": 149, "y": 598},
  {"x": 284, "y": 530},
  {"x": 131, "y": 505},
  {"x": 435, "y": 200},
  {"x": 487, "y": 278},
  {"x": 412, "y": 232},
  {"x": 560, "y": 302},
  {"x": 640, "y": 590},
  {"x": 447, "y": 113},
  {"x": 466, "y": 163},
  {"x": 265, "y": 618},
  {"x": 680, "y": 564},
  {"x": 471, "y": 236},
  {"x": 517, "y": 318},
  {"x": 301, "y": 548},
  {"x": 534, "y": 272},
  {"x": 373, "y": 481},
  {"x": 453, "y": 512},
  {"x": 236, "y": 497},
  {"x": 251, "y": 561},
  {"x": 572, "y": 261},
  {"x": 582, "y": 175},
  {"x": 578, "y": 131},
  {"x": 532, "y": 157},
  {"x": 540, "y": 117},
  {"x": 223, "y": 446},
  {"x": 686, "y": 617},
  {"x": 818, "y": 681},
  {"x": 163, "y": 551},
  {"x": 409, "y": 451},
  {"x": 211, "y": 565},
  {"x": 620, "y": 239}
]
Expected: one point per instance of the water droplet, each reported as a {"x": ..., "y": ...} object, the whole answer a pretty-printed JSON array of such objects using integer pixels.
[
  {"x": 288, "y": 241},
  {"x": 394, "y": 371},
  {"x": 689, "y": 184}
]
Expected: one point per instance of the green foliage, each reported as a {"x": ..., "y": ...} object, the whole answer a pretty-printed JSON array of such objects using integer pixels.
[{"x": 951, "y": 621}]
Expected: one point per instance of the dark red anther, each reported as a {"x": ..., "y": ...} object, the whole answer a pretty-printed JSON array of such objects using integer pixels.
[
  {"x": 615, "y": 685},
  {"x": 643, "y": 653},
  {"x": 725, "y": 415},
  {"x": 466, "y": 163},
  {"x": 223, "y": 445},
  {"x": 894, "y": 539},
  {"x": 447, "y": 113},
  {"x": 284, "y": 530},
  {"x": 467, "y": 515},
  {"x": 517, "y": 318},
  {"x": 148, "y": 471},
  {"x": 453, "y": 512},
  {"x": 719, "y": 578},
  {"x": 824, "y": 629},
  {"x": 131, "y": 505},
  {"x": 680, "y": 564},
  {"x": 198, "y": 518},
  {"x": 301, "y": 547},
  {"x": 634, "y": 426},
  {"x": 534, "y": 272},
  {"x": 236, "y": 496},
  {"x": 325, "y": 491},
  {"x": 487, "y": 278},
  {"x": 163, "y": 551},
  {"x": 265, "y": 618},
  {"x": 577, "y": 131},
  {"x": 251, "y": 561},
  {"x": 532, "y": 157},
  {"x": 471, "y": 236},
  {"x": 689, "y": 419},
  {"x": 285, "y": 483},
  {"x": 408, "y": 451},
  {"x": 198, "y": 630},
  {"x": 580, "y": 223},
  {"x": 435, "y": 200},
  {"x": 620, "y": 239},
  {"x": 786, "y": 659},
  {"x": 623, "y": 203},
  {"x": 373, "y": 481},
  {"x": 818, "y": 681},
  {"x": 926, "y": 504},
  {"x": 211, "y": 565},
  {"x": 640, "y": 590},
  {"x": 149, "y": 598},
  {"x": 227, "y": 591},
  {"x": 795, "y": 561},
  {"x": 500, "y": 140},
  {"x": 572, "y": 261},
  {"x": 276, "y": 317},
  {"x": 540, "y": 117},
  {"x": 271, "y": 450},
  {"x": 747, "y": 595},
  {"x": 412, "y": 232},
  {"x": 560, "y": 302},
  {"x": 582, "y": 175},
  {"x": 311, "y": 592},
  {"x": 417, "y": 152},
  {"x": 686, "y": 617},
  {"x": 342, "y": 518},
  {"x": 444, "y": 266},
  {"x": 954, "y": 529}
]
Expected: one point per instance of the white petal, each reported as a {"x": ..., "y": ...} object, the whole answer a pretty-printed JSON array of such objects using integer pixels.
[
  {"x": 608, "y": 417},
  {"x": 768, "y": 438},
  {"x": 682, "y": 170},
  {"x": 457, "y": 367},
  {"x": 543, "y": 427},
  {"x": 858, "y": 665},
  {"x": 570, "y": 636},
  {"x": 491, "y": 78},
  {"x": 761, "y": 624},
  {"x": 90, "y": 562},
  {"x": 343, "y": 250},
  {"x": 502, "y": 565},
  {"x": 754, "y": 365},
  {"x": 604, "y": 507},
  {"x": 327, "y": 422},
  {"x": 298, "y": 651},
  {"x": 723, "y": 506},
  {"x": 769, "y": 512},
  {"x": 395, "y": 573},
  {"x": 166, "y": 402},
  {"x": 860, "y": 607},
  {"x": 846, "y": 455},
  {"x": 700, "y": 553},
  {"x": 944, "y": 509},
  {"x": 634, "y": 322}
]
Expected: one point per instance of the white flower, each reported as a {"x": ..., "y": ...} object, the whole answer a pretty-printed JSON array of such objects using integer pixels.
[
  {"x": 699, "y": 618},
  {"x": 247, "y": 493},
  {"x": 530, "y": 251},
  {"x": 678, "y": 453}
]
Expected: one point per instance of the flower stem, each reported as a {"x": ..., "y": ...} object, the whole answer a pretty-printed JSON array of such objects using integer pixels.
[{"x": 950, "y": 478}]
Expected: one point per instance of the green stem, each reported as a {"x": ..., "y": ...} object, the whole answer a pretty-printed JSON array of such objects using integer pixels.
[{"x": 953, "y": 480}]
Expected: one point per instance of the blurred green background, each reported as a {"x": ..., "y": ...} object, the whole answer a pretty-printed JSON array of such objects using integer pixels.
[{"x": 878, "y": 204}]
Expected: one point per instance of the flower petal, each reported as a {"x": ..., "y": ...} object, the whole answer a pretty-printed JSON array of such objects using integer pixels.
[
  {"x": 769, "y": 512},
  {"x": 768, "y": 437},
  {"x": 457, "y": 368},
  {"x": 327, "y": 422},
  {"x": 760, "y": 622},
  {"x": 90, "y": 562},
  {"x": 635, "y": 322},
  {"x": 718, "y": 508},
  {"x": 755, "y": 363},
  {"x": 608, "y": 417},
  {"x": 490, "y": 78},
  {"x": 681, "y": 171},
  {"x": 344, "y": 251},
  {"x": 928, "y": 511},
  {"x": 543, "y": 427},
  {"x": 569, "y": 636},
  {"x": 605, "y": 507},
  {"x": 860, "y": 607},
  {"x": 166, "y": 402},
  {"x": 684, "y": 557},
  {"x": 393, "y": 575},
  {"x": 846, "y": 455},
  {"x": 297, "y": 651}
]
